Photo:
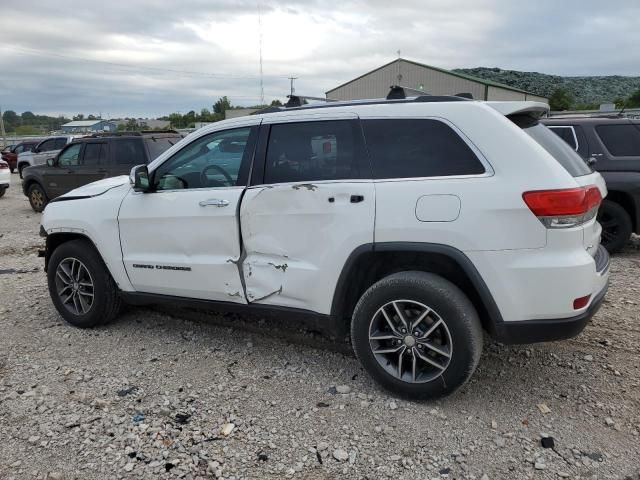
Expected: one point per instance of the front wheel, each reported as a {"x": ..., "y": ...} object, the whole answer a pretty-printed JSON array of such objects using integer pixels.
[
  {"x": 37, "y": 197},
  {"x": 80, "y": 285},
  {"x": 417, "y": 335},
  {"x": 616, "y": 226},
  {"x": 2, "y": 191}
]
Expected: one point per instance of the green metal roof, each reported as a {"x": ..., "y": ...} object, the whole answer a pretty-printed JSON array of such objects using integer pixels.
[{"x": 442, "y": 70}]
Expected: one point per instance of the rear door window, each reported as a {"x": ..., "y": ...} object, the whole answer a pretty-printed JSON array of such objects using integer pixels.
[
  {"x": 314, "y": 151},
  {"x": 157, "y": 146},
  {"x": 128, "y": 151},
  {"x": 568, "y": 134},
  {"x": 554, "y": 145},
  {"x": 412, "y": 148},
  {"x": 620, "y": 140},
  {"x": 94, "y": 154}
]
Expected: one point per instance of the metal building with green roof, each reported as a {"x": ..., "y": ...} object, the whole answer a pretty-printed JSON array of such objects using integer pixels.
[{"x": 432, "y": 80}]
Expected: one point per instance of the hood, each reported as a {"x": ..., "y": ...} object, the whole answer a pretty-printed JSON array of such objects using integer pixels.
[{"x": 97, "y": 188}]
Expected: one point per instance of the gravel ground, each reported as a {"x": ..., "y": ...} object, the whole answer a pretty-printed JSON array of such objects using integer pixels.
[{"x": 177, "y": 393}]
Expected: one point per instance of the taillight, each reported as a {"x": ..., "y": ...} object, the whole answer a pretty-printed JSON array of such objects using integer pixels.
[{"x": 564, "y": 208}]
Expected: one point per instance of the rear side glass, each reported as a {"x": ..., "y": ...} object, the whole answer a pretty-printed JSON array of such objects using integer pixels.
[
  {"x": 158, "y": 146},
  {"x": 60, "y": 143},
  {"x": 620, "y": 140},
  {"x": 128, "y": 151},
  {"x": 94, "y": 154},
  {"x": 314, "y": 151},
  {"x": 567, "y": 134},
  {"x": 554, "y": 145},
  {"x": 410, "y": 148}
]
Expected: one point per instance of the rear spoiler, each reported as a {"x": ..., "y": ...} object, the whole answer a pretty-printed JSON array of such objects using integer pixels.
[{"x": 533, "y": 109}]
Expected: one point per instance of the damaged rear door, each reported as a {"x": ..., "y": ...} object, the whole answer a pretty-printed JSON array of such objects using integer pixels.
[{"x": 310, "y": 205}]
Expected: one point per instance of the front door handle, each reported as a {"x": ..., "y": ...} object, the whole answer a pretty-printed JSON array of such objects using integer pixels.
[
  {"x": 213, "y": 202},
  {"x": 356, "y": 198}
]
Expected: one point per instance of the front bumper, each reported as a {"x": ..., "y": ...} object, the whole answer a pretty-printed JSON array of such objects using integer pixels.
[{"x": 551, "y": 329}]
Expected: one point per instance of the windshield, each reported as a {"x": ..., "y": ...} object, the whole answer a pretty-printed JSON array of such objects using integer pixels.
[
  {"x": 158, "y": 146},
  {"x": 552, "y": 143}
]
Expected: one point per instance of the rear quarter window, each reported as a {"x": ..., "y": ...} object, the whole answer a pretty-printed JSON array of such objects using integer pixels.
[
  {"x": 553, "y": 144},
  {"x": 621, "y": 140},
  {"x": 414, "y": 148}
]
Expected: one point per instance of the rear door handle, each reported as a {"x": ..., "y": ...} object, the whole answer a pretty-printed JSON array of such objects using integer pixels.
[
  {"x": 356, "y": 198},
  {"x": 213, "y": 202}
]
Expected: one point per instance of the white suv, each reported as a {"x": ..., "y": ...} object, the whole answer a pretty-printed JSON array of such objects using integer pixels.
[{"x": 415, "y": 224}]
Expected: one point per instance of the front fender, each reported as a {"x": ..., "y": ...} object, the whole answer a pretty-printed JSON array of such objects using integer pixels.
[{"x": 95, "y": 218}]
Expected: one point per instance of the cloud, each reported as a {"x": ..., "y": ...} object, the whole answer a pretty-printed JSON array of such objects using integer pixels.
[{"x": 143, "y": 57}]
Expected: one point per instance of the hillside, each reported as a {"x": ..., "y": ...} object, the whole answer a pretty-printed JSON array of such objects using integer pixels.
[{"x": 585, "y": 90}]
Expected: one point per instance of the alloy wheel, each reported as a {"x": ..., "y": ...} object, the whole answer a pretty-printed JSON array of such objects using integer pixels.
[
  {"x": 74, "y": 286},
  {"x": 410, "y": 341},
  {"x": 37, "y": 199}
]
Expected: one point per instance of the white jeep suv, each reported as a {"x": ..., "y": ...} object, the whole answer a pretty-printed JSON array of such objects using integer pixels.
[{"x": 414, "y": 224}]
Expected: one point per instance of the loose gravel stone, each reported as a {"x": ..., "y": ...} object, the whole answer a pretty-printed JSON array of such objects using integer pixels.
[{"x": 68, "y": 397}]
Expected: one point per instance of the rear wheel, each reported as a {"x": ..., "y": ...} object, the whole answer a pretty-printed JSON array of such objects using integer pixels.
[
  {"x": 37, "y": 197},
  {"x": 417, "y": 335},
  {"x": 80, "y": 285},
  {"x": 2, "y": 191},
  {"x": 616, "y": 225}
]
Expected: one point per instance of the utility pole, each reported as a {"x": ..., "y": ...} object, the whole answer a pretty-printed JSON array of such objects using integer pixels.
[
  {"x": 260, "y": 45},
  {"x": 4, "y": 134},
  {"x": 292, "y": 79}
]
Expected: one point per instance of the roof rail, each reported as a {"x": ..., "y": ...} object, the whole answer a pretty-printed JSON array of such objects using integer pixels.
[
  {"x": 129, "y": 133},
  {"x": 299, "y": 100},
  {"x": 398, "y": 92}
]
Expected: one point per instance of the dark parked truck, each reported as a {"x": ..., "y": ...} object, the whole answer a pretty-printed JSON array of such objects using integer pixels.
[
  {"x": 92, "y": 158},
  {"x": 612, "y": 146}
]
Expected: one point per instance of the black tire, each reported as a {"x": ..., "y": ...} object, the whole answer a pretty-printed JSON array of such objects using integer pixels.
[
  {"x": 12, "y": 169},
  {"x": 453, "y": 308},
  {"x": 21, "y": 167},
  {"x": 2, "y": 191},
  {"x": 616, "y": 226},
  {"x": 37, "y": 197},
  {"x": 106, "y": 301}
]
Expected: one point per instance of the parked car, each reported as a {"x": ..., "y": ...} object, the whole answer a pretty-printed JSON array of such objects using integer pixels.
[
  {"x": 10, "y": 155},
  {"x": 612, "y": 145},
  {"x": 413, "y": 224},
  {"x": 92, "y": 158},
  {"x": 46, "y": 149},
  {"x": 5, "y": 177}
]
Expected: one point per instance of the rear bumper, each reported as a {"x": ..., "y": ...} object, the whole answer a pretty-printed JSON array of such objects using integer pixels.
[{"x": 550, "y": 329}]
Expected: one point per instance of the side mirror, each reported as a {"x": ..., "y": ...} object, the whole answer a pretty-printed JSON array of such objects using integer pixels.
[
  {"x": 591, "y": 161},
  {"x": 51, "y": 162},
  {"x": 139, "y": 178}
]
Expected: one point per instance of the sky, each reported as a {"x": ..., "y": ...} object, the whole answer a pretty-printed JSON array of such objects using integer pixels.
[{"x": 148, "y": 58}]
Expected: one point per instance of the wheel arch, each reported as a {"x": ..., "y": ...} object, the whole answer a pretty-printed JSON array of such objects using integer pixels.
[
  {"x": 54, "y": 240},
  {"x": 369, "y": 263}
]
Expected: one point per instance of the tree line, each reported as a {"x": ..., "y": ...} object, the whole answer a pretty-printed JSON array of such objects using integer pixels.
[
  {"x": 28, "y": 123},
  {"x": 562, "y": 99}
]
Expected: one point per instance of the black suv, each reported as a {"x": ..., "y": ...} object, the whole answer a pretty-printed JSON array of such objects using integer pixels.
[
  {"x": 612, "y": 147},
  {"x": 92, "y": 158}
]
